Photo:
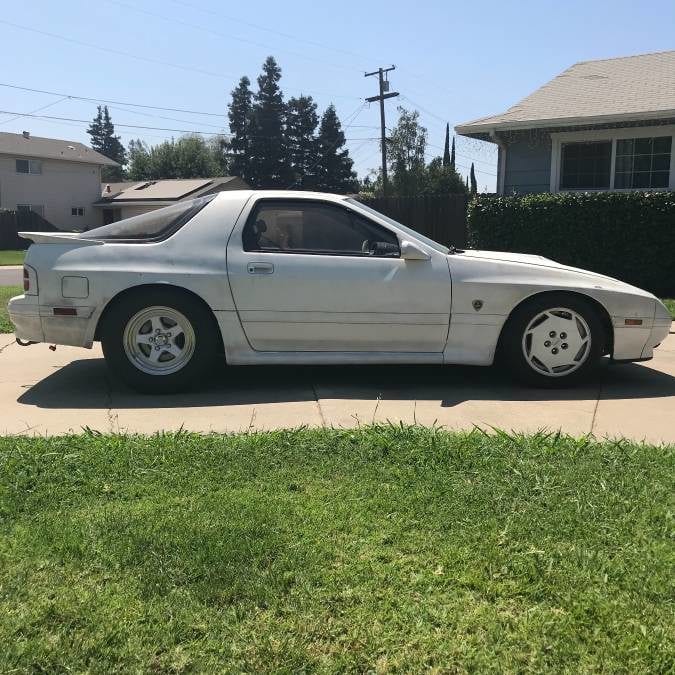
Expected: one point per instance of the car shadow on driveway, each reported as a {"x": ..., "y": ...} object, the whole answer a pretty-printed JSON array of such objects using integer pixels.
[{"x": 86, "y": 384}]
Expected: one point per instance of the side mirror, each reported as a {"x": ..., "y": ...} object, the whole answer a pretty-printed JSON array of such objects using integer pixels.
[{"x": 410, "y": 251}]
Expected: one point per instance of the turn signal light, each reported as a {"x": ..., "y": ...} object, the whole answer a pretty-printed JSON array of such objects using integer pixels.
[
  {"x": 26, "y": 280},
  {"x": 633, "y": 322}
]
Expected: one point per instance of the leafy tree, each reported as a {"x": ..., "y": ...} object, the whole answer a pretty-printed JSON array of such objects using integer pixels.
[
  {"x": 269, "y": 165},
  {"x": 242, "y": 126},
  {"x": 301, "y": 124},
  {"x": 446, "y": 147},
  {"x": 188, "y": 157},
  {"x": 103, "y": 140},
  {"x": 452, "y": 154},
  {"x": 139, "y": 160},
  {"x": 406, "y": 147},
  {"x": 334, "y": 166},
  {"x": 442, "y": 179},
  {"x": 472, "y": 178}
]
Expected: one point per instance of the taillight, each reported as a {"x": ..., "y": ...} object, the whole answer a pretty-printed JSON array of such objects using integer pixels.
[{"x": 30, "y": 280}]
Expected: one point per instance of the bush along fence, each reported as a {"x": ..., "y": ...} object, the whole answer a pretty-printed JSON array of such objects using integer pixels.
[
  {"x": 630, "y": 236},
  {"x": 442, "y": 219},
  {"x": 13, "y": 222}
]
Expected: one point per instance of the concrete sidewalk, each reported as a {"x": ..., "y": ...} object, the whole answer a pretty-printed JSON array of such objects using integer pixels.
[
  {"x": 55, "y": 392},
  {"x": 11, "y": 275}
]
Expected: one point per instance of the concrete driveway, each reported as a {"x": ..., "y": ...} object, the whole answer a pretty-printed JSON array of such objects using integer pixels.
[
  {"x": 11, "y": 275},
  {"x": 55, "y": 392}
]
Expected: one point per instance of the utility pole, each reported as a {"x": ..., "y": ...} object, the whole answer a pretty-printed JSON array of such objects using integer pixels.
[{"x": 384, "y": 93}]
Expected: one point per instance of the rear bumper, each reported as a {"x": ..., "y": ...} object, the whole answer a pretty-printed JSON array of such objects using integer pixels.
[{"x": 36, "y": 323}]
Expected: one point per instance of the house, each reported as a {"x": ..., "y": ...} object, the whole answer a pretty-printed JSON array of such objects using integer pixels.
[
  {"x": 131, "y": 198},
  {"x": 60, "y": 180},
  {"x": 599, "y": 125}
]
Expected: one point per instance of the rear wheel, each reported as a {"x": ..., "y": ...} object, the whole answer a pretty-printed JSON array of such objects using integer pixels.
[
  {"x": 159, "y": 341},
  {"x": 553, "y": 341}
]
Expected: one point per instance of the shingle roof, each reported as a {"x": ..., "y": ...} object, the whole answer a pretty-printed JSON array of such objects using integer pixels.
[
  {"x": 630, "y": 87},
  {"x": 50, "y": 148}
]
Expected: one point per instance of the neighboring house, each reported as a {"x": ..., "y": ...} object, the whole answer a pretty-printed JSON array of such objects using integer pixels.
[
  {"x": 58, "y": 179},
  {"x": 124, "y": 200},
  {"x": 600, "y": 125}
]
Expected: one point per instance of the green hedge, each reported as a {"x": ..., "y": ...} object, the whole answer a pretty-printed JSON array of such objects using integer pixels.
[{"x": 630, "y": 236}]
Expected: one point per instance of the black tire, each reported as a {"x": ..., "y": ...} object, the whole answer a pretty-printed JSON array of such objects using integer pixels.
[
  {"x": 201, "y": 358},
  {"x": 512, "y": 351}
]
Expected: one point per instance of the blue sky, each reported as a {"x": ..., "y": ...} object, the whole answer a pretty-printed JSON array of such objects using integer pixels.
[{"x": 455, "y": 60}]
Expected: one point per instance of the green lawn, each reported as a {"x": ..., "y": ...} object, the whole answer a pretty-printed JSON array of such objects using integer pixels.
[
  {"x": 670, "y": 304},
  {"x": 384, "y": 549},
  {"x": 7, "y": 292},
  {"x": 12, "y": 257}
]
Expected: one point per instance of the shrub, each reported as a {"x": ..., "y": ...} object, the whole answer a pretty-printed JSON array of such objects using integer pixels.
[{"x": 630, "y": 236}]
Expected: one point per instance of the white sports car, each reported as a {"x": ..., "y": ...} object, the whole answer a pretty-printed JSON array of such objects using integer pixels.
[{"x": 258, "y": 277}]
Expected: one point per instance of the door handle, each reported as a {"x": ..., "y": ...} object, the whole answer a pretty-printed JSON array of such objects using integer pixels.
[{"x": 260, "y": 268}]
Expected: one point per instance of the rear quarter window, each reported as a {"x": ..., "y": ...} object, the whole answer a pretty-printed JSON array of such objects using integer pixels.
[{"x": 153, "y": 226}]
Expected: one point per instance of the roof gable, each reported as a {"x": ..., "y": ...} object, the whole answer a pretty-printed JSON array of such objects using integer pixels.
[{"x": 630, "y": 87}]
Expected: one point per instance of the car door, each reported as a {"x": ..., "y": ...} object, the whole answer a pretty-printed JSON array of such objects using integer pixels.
[{"x": 309, "y": 275}]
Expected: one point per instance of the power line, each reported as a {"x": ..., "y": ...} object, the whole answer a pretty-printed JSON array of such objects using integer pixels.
[
  {"x": 117, "y": 124},
  {"x": 44, "y": 107},
  {"x": 228, "y": 36},
  {"x": 112, "y": 102}
]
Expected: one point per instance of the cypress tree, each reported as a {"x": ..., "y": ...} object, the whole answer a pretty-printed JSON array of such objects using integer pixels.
[
  {"x": 240, "y": 113},
  {"x": 472, "y": 176},
  {"x": 301, "y": 124},
  {"x": 269, "y": 157},
  {"x": 103, "y": 140},
  {"x": 335, "y": 173},
  {"x": 452, "y": 154},
  {"x": 446, "y": 147}
]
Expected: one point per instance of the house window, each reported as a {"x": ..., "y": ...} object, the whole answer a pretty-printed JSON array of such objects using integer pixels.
[
  {"x": 586, "y": 166},
  {"x": 77, "y": 211},
  {"x": 28, "y": 166},
  {"x": 35, "y": 208},
  {"x": 631, "y": 158},
  {"x": 642, "y": 162}
]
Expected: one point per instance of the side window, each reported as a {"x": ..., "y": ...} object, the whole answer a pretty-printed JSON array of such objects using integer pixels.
[{"x": 314, "y": 228}]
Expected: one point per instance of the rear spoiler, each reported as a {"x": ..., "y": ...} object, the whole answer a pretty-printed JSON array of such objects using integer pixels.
[{"x": 58, "y": 238}]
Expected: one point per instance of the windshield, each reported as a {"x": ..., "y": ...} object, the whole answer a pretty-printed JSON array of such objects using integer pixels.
[
  {"x": 153, "y": 226},
  {"x": 429, "y": 242}
]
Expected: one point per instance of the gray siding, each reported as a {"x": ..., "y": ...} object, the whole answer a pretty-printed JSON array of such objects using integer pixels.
[{"x": 528, "y": 164}]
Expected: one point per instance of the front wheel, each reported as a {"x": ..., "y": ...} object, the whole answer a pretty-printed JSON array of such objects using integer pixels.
[
  {"x": 552, "y": 341},
  {"x": 159, "y": 341}
]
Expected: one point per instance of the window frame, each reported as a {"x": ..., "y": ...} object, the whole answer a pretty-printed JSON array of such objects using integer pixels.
[
  {"x": 30, "y": 162},
  {"x": 77, "y": 211},
  {"x": 298, "y": 202},
  {"x": 613, "y": 135}
]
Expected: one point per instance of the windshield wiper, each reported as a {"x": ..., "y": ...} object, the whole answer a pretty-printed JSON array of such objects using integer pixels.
[{"x": 453, "y": 249}]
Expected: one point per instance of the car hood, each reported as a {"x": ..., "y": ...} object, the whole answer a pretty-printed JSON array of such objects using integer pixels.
[
  {"x": 534, "y": 262},
  {"x": 531, "y": 260}
]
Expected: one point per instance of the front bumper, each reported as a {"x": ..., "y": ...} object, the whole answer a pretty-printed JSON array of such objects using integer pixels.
[
  {"x": 637, "y": 343},
  {"x": 36, "y": 323}
]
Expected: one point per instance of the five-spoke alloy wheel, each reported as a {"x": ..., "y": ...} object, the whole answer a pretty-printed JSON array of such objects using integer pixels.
[
  {"x": 160, "y": 340},
  {"x": 555, "y": 339}
]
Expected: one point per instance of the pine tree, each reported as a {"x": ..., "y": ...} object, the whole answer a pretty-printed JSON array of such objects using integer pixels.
[
  {"x": 334, "y": 173},
  {"x": 269, "y": 157},
  {"x": 472, "y": 176},
  {"x": 452, "y": 154},
  {"x": 103, "y": 140},
  {"x": 240, "y": 114},
  {"x": 301, "y": 124},
  {"x": 446, "y": 147}
]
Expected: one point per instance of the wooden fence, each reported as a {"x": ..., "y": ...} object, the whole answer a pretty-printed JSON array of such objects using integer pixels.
[
  {"x": 13, "y": 222},
  {"x": 442, "y": 219}
]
